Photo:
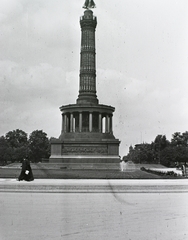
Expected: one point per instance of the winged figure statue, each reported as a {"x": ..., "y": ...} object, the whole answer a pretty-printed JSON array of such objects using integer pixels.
[{"x": 89, "y": 4}]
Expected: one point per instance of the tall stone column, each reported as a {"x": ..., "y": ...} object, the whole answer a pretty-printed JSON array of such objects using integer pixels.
[{"x": 87, "y": 89}]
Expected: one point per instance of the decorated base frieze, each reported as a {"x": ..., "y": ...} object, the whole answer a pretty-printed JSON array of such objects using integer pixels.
[{"x": 84, "y": 150}]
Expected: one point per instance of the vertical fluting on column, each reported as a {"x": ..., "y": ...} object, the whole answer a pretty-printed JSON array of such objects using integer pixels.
[{"x": 87, "y": 88}]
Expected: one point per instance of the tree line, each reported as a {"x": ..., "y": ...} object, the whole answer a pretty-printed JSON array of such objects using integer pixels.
[
  {"x": 17, "y": 145},
  {"x": 168, "y": 153}
]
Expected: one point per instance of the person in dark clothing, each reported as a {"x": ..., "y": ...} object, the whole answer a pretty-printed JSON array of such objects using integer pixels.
[{"x": 26, "y": 172}]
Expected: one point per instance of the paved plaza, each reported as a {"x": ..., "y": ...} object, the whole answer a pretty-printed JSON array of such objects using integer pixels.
[{"x": 94, "y": 209}]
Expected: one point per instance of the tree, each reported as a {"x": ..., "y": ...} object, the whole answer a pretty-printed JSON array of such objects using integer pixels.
[
  {"x": 185, "y": 139},
  {"x": 17, "y": 145},
  {"x": 16, "y": 138},
  {"x": 159, "y": 144},
  {"x": 39, "y": 146},
  {"x": 168, "y": 156},
  {"x": 141, "y": 153},
  {"x": 3, "y": 150},
  {"x": 161, "y": 150},
  {"x": 180, "y": 144},
  {"x": 176, "y": 139}
]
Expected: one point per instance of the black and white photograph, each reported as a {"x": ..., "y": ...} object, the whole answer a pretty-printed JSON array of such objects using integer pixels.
[{"x": 94, "y": 119}]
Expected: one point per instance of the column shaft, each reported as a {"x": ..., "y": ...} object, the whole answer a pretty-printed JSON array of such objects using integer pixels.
[
  {"x": 62, "y": 125},
  {"x": 100, "y": 122},
  {"x": 111, "y": 124},
  {"x": 65, "y": 123},
  {"x": 107, "y": 124},
  {"x": 71, "y": 122},
  {"x": 80, "y": 122},
  {"x": 90, "y": 122}
]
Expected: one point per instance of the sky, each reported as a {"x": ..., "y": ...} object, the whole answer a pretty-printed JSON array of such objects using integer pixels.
[{"x": 141, "y": 64}]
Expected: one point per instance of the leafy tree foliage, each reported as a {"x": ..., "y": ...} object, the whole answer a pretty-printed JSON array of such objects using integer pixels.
[
  {"x": 15, "y": 146},
  {"x": 39, "y": 146},
  {"x": 3, "y": 150},
  {"x": 16, "y": 138},
  {"x": 161, "y": 150},
  {"x": 141, "y": 153},
  {"x": 179, "y": 139}
]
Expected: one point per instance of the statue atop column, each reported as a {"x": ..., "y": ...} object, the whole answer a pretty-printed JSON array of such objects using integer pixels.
[{"x": 89, "y": 4}]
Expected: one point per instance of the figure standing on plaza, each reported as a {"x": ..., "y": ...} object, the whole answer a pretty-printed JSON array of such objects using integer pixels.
[
  {"x": 89, "y": 4},
  {"x": 183, "y": 170},
  {"x": 26, "y": 172}
]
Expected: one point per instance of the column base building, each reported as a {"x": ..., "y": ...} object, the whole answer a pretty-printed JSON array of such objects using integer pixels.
[
  {"x": 87, "y": 126},
  {"x": 86, "y": 136}
]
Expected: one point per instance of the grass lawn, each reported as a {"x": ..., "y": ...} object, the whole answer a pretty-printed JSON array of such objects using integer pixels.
[{"x": 46, "y": 171}]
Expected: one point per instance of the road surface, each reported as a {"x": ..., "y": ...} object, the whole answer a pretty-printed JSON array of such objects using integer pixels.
[{"x": 71, "y": 215}]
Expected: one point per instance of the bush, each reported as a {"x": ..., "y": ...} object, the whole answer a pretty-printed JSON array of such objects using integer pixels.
[{"x": 160, "y": 173}]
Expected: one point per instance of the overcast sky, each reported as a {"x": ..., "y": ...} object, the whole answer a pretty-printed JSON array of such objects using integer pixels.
[{"x": 142, "y": 65}]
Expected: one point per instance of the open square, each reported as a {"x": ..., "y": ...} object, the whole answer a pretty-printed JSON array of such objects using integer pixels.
[{"x": 160, "y": 213}]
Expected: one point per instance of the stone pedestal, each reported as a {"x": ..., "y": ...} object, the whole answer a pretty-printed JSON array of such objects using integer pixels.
[
  {"x": 86, "y": 136},
  {"x": 85, "y": 148}
]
